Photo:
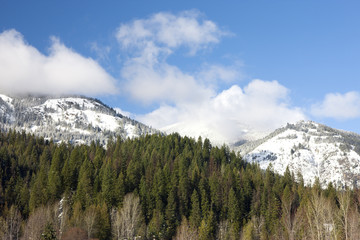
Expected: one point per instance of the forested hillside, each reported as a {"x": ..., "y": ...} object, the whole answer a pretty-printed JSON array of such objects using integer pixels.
[{"x": 159, "y": 187}]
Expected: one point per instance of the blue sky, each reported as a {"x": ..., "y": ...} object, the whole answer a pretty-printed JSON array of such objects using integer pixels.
[{"x": 202, "y": 67}]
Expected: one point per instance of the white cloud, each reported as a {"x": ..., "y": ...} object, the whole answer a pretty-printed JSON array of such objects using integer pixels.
[
  {"x": 24, "y": 70},
  {"x": 190, "y": 103},
  {"x": 170, "y": 31},
  {"x": 338, "y": 106},
  {"x": 147, "y": 75},
  {"x": 233, "y": 114},
  {"x": 162, "y": 83},
  {"x": 215, "y": 74}
]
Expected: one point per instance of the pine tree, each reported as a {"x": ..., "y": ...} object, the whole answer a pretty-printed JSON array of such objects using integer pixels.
[
  {"x": 234, "y": 212},
  {"x": 204, "y": 194},
  {"x": 107, "y": 186},
  {"x": 84, "y": 187},
  {"x": 70, "y": 170},
  {"x": 49, "y": 233},
  {"x": 195, "y": 213},
  {"x": 184, "y": 194},
  {"x": 171, "y": 214},
  {"x": 67, "y": 176},
  {"x": 24, "y": 199},
  {"x": 216, "y": 193},
  {"x": 156, "y": 227},
  {"x": 134, "y": 170},
  {"x": 54, "y": 178},
  {"x": 120, "y": 189},
  {"x": 104, "y": 225},
  {"x": 207, "y": 228},
  {"x": 38, "y": 191}
]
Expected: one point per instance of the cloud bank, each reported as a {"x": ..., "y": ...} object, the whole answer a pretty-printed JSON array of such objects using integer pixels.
[
  {"x": 25, "y": 70},
  {"x": 196, "y": 103},
  {"x": 231, "y": 115},
  {"x": 338, "y": 106}
]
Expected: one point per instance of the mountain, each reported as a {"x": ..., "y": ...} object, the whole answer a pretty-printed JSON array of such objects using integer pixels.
[
  {"x": 75, "y": 119},
  {"x": 312, "y": 149}
]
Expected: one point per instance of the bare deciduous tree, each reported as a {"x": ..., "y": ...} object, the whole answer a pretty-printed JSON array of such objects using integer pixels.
[
  {"x": 186, "y": 232},
  {"x": 12, "y": 224},
  {"x": 36, "y": 223},
  {"x": 223, "y": 230},
  {"x": 90, "y": 219},
  {"x": 320, "y": 217},
  {"x": 289, "y": 218},
  {"x": 258, "y": 223},
  {"x": 354, "y": 224},
  {"x": 127, "y": 222},
  {"x": 344, "y": 208}
]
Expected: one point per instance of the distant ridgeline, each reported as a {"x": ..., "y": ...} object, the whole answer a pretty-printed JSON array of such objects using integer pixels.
[
  {"x": 72, "y": 119},
  {"x": 313, "y": 149},
  {"x": 159, "y": 187}
]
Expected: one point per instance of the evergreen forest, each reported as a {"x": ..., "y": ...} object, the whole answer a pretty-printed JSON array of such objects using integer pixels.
[{"x": 160, "y": 187}]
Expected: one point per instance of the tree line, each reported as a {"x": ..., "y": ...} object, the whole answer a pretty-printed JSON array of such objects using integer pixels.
[{"x": 160, "y": 187}]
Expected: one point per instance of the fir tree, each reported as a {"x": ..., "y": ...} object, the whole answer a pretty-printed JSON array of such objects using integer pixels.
[
  {"x": 195, "y": 213},
  {"x": 49, "y": 233}
]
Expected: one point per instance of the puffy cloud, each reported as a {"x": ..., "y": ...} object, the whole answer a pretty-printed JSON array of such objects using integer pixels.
[
  {"x": 338, "y": 106},
  {"x": 170, "y": 31},
  {"x": 190, "y": 103},
  {"x": 149, "y": 42},
  {"x": 163, "y": 83},
  {"x": 231, "y": 115},
  {"x": 24, "y": 70}
]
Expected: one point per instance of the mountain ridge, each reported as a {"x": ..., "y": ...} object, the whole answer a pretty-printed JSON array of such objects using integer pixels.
[
  {"x": 313, "y": 149},
  {"x": 72, "y": 118}
]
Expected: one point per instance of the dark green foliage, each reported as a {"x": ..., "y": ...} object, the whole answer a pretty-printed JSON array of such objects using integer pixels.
[
  {"x": 55, "y": 182},
  {"x": 234, "y": 211},
  {"x": 195, "y": 216},
  {"x": 171, "y": 214},
  {"x": 84, "y": 191},
  {"x": 174, "y": 177},
  {"x": 104, "y": 228},
  {"x": 49, "y": 233},
  {"x": 157, "y": 226},
  {"x": 207, "y": 228},
  {"x": 107, "y": 186}
]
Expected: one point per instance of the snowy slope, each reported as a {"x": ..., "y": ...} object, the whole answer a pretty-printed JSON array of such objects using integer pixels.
[
  {"x": 313, "y": 149},
  {"x": 74, "y": 119}
]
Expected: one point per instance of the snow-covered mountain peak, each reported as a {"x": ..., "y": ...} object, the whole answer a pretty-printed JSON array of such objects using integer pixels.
[
  {"x": 312, "y": 149},
  {"x": 6, "y": 99},
  {"x": 75, "y": 119},
  {"x": 62, "y": 103}
]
